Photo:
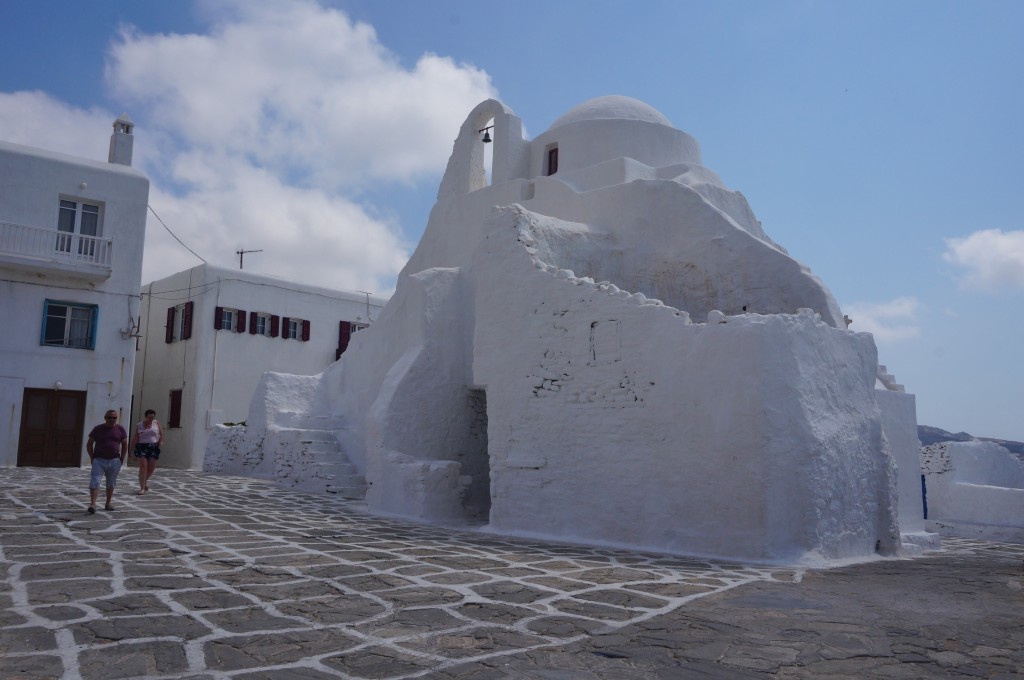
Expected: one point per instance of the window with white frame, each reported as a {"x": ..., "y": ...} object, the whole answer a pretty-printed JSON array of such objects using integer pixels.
[
  {"x": 69, "y": 324},
  {"x": 293, "y": 329},
  {"x": 231, "y": 319},
  {"x": 179, "y": 327},
  {"x": 179, "y": 322},
  {"x": 75, "y": 220},
  {"x": 262, "y": 324}
]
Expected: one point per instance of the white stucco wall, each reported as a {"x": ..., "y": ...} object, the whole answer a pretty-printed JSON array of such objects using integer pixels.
[
  {"x": 631, "y": 421},
  {"x": 586, "y": 143},
  {"x": 899, "y": 422},
  {"x": 695, "y": 244},
  {"x": 162, "y": 367},
  {"x": 218, "y": 370},
  {"x": 32, "y": 182},
  {"x": 631, "y": 449},
  {"x": 975, "y": 488}
]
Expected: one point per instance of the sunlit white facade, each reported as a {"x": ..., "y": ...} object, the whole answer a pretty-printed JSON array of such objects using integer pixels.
[
  {"x": 71, "y": 238},
  {"x": 209, "y": 333}
]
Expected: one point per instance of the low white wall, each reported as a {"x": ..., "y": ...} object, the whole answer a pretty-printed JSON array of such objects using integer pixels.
[{"x": 973, "y": 483}]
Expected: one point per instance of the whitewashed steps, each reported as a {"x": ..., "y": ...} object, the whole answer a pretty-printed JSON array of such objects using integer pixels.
[{"x": 316, "y": 463}]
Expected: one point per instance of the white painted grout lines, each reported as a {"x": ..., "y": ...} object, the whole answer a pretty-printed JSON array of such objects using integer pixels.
[{"x": 221, "y": 576}]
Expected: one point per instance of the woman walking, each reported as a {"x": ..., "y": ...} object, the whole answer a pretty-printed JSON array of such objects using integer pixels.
[{"x": 145, "y": 444}]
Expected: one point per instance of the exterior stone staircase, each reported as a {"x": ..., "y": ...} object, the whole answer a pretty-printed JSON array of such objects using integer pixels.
[
  {"x": 888, "y": 380},
  {"x": 314, "y": 460}
]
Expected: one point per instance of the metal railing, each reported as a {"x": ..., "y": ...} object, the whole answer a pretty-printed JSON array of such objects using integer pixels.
[{"x": 56, "y": 246}]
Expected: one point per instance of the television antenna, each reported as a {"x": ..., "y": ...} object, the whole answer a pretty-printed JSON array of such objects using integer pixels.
[{"x": 241, "y": 252}]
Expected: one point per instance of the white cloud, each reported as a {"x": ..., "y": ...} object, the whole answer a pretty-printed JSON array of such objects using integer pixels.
[
  {"x": 266, "y": 130},
  {"x": 306, "y": 235},
  {"x": 37, "y": 119},
  {"x": 993, "y": 259},
  {"x": 300, "y": 89},
  {"x": 887, "y": 321}
]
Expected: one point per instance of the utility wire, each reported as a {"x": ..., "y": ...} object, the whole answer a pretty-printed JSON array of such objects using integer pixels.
[
  {"x": 75, "y": 288},
  {"x": 172, "y": 233},
  {"x": 157, "y": 294}
]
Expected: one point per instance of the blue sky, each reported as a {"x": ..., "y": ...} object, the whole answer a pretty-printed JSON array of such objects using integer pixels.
[{"x": 879, "y": 142}]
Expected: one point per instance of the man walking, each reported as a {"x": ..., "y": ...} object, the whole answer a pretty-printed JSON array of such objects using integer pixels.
[{"x": 107, "y": 448}]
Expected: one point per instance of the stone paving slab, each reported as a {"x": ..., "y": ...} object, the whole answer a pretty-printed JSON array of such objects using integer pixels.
[{"x": 221, "y": 577}]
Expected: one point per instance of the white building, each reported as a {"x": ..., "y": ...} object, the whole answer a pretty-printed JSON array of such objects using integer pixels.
[
  {"x": 208, "y": 334},
  {"x": 71, "y": 238},
  {"x": 602, "y": 344}
]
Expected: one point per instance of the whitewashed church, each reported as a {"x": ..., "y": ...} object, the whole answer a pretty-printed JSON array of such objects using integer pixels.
[{"x": 599, "y": 343}]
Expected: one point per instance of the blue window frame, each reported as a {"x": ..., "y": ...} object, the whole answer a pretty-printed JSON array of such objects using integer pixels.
[{"x": 69, "y": 324}]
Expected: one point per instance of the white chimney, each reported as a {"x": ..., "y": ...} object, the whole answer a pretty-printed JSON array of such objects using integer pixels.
[{"x": 121, "y": 141}]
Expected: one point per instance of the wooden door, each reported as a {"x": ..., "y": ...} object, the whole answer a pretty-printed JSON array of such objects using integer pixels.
[{"x": 51, "y": 428}]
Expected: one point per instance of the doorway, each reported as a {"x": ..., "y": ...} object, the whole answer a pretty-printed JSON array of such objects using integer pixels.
[
  {"x": 475, "y": 462},
  {"x": 51, "y": 428}
]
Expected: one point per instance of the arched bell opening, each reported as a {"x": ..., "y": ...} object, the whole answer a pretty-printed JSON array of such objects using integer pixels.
[
  {"x": 488, "y": 144},
  {"x": 476, "y": 163}
]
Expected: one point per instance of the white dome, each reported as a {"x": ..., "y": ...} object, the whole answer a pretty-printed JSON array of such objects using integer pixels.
[{"x": 614, "y": 107}]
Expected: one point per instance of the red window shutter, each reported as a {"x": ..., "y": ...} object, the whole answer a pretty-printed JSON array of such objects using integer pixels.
[
  {"x": 186, "y": 326},
  {"x": 240, "y": 322},
  {"x": 174, "y": 412},
  {"x": 169, "y": 329},
  {"x": 305, "y": 330},
  {"x": 252, "y": 323},
  {"x": 275, "y": 325},
  {"x": 344, "y": 335},
  {"x": 284, "y": 327},
  {"x": 218, "y": 317}
]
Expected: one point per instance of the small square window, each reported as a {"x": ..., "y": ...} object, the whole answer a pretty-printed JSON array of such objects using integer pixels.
[
  {"x": 262, "y": 324},
  {"x": 292, "y": 331},
  {"x": 68, "y": 324},
  {"x": 232, "y": 320}
]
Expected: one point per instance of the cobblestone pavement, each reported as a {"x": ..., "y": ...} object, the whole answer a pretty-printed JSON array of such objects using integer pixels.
[{"x": 227, "y": 577}]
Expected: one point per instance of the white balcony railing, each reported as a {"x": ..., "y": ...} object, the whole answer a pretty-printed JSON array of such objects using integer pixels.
[{"x": 58, "y": 247}]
